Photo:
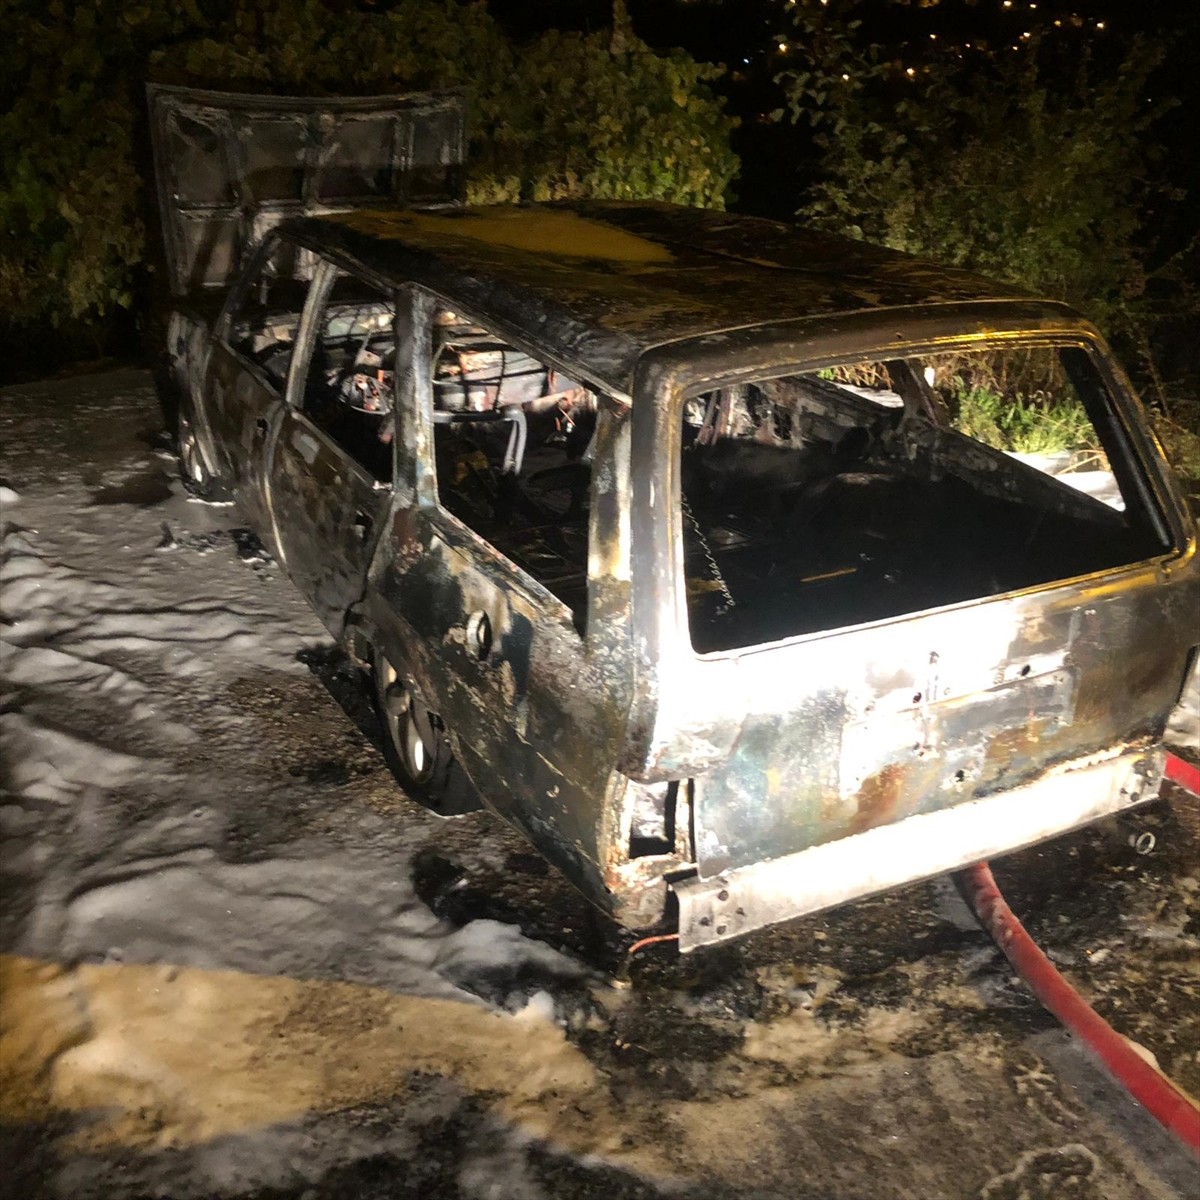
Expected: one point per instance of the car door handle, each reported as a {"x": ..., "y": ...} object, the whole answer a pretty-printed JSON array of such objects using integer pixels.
[{"x": 362, "y": 525}]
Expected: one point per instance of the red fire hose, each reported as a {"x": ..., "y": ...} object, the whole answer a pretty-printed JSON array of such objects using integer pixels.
[
  {"x": 1153, "y": 1090},
  {"x": 1183, "y": 773}
]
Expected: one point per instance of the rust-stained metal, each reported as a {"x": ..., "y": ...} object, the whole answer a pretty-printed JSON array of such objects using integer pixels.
[{"x": 664, "y": 531}]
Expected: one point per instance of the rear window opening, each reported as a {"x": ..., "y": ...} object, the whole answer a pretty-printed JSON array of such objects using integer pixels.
[{"x": 879, "y": 488}]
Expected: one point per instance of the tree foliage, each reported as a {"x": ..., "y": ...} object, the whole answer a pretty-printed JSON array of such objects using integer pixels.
[
  {"x": 1037, "y": 165},
  {"x": 1017, "y": 164},
  {"x": 566, "y": 115}
]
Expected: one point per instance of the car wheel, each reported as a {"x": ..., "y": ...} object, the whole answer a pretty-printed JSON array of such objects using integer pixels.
[
  {"x": 193, "y": 470},
  {"x": 417, "y": 748}
]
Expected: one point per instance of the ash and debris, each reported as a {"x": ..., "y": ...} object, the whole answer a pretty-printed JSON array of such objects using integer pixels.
[
  {"x": 246, "y": 543},
  {"x": 237, "y": 962}
]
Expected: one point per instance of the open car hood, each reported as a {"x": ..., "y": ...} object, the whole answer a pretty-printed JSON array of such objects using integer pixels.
[{"x": 229, "y": 166}]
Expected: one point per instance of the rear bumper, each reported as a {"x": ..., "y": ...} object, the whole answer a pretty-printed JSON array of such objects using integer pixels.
[{"x": 1073, "y": 794}]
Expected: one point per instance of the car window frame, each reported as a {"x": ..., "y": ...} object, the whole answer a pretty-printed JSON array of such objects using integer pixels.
[
  {"x": 669, "y": 405},
  {"x": 429, "y": 499},
  {"x": 667, "y": 375},
  {"x": 237, "y": 295},
  {"x": 325, "y": 274}
]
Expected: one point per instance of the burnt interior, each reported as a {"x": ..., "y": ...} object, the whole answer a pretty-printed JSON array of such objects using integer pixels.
[
  {"x": 512, "y": 435},
  {"x": 512, "y": 439},
  {"x": 810, "y": 506},
  {"x": 349, "y": 390}
]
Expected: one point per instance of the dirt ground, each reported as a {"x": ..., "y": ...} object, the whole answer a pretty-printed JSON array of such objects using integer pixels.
[{"x": 236, "y": 961}]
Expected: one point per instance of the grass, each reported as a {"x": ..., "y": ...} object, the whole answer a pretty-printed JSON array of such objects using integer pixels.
[{"x": 1033, "y": 424}]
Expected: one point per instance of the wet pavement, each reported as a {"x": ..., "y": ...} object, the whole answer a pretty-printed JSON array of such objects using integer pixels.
[{"x": 236, "y": 961}]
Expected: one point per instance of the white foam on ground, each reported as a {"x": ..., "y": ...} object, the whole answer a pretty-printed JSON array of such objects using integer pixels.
[{"x": 120, "y": 665}]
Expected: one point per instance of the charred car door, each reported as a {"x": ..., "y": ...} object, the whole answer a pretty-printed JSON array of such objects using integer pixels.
[
  {"x": 330, "y": 473},
  {"x": 487, "y": 572}
]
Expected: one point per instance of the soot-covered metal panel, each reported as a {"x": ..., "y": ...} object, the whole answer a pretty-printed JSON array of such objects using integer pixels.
[{"x": 230, "y": 165}]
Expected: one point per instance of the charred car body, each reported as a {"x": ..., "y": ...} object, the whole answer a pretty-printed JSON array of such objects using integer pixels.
[{"x": 673, "y": 537}]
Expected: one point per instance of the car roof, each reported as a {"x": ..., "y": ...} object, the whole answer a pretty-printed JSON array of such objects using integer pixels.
[{"x": 600, "y": 282}]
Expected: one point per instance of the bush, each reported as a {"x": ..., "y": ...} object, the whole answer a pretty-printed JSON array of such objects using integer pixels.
[
  {"x": 567, "y": 115},
  {"x": 1038, "y": 167},
  {"x": 1030, "y": 167},
  {"x": 1179, "y": 438},
  {"x": 1021, "y": 424}
]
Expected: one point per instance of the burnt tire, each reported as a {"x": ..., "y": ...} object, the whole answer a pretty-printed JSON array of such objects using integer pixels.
[{"x": 417, "y": 748}]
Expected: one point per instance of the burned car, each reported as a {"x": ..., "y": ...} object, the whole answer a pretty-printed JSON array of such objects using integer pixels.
[{"x": 680, "y": 540}]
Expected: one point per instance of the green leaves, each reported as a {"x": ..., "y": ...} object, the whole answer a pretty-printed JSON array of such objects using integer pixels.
[
  {"x": 1024, "y": 424},
  {"x": 590, "y": 121},
  {"x": 1017, "y": 166},
  {"x": 566, "y": 115}
]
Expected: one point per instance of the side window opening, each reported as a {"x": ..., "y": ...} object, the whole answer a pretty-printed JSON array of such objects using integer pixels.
[
  {"x": 264, "y": 321},
  {"x": 829, "y": 498},
  {"x": 512, "y": 443},
  {"x": 349, "y": 389}
]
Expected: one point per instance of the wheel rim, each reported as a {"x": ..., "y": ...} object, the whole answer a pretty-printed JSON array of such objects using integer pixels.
[{"x": 409, "y": 726}]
